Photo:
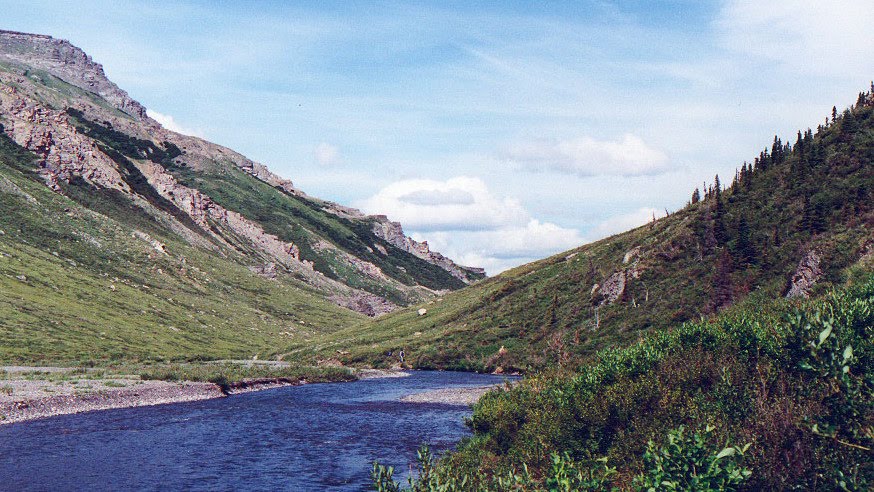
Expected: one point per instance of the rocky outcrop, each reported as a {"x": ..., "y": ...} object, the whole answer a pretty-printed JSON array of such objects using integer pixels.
[
  {"x": 68, "y": 63},
  {"x": 613, "y": 288},
  {"x": 261, "y": 172},
  {"x": 393, "y": 233},
  {"x": 805, "y": 276},
  {"x": 206, "y": 213},
  {"x": 63, "y": 152},
  {"x": 365, "y": 303}
]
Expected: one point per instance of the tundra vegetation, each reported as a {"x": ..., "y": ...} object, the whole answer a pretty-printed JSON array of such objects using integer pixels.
[{"x": 767, "y": 396}]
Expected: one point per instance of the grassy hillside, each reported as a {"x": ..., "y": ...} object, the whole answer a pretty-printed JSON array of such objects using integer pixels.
[
  {"x": 809, "y": 200},
  {"x": 767, "y": 396},
  {"x": 122, "y": 241},
  {"x": 82, "y": 281},
  {"x": 292, "y": 218}
]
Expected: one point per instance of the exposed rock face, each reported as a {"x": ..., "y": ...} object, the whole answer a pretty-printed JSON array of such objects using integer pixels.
[
  {"x": 63, "y": 152},
  {"x": 261, "y": 172},
  {"x": 805, "y": 276},
  {"x": 205, "y": 213},
  {"x": 393, "y": 233},
  {"x": 365, "y": 303},
  {"x": 613, "y": 288},
  {"x": 69, "y": 64}
]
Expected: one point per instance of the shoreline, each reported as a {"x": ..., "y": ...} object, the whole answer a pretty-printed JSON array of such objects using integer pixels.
[
  {"x": 23, "y": 400},
  {"x": 139, "y": 394},
  {"x": 451, "y": 396}
]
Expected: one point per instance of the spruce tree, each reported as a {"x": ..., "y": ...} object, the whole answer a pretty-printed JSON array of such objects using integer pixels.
[
  {"x": 746, "y": 251},
  {"x": 722, "y": 293},
  {"x": 849, "y": 125},
  {"x": 696, "y": 196},
  {"x": 718, "y": 214}
]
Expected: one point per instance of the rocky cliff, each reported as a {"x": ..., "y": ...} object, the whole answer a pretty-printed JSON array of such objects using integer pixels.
[{"x": 56, "y": 102}]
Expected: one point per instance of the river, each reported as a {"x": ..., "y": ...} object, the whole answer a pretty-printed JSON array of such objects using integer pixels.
[{"x": 311, "y": 437}]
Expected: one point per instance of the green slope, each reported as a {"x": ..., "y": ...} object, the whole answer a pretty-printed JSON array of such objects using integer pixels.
[
  {"x": 79, "y": 284},
  {"x": 292, "y": 218},
  {"x": 772, "y": 395},
  {"x": 812, "y": 196}
]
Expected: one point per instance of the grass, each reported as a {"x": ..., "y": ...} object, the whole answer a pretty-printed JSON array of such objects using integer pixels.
[{"x": 94, "y": 292}]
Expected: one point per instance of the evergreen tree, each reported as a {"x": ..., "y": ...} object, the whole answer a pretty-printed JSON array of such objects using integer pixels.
[
  {"x": 696, "y": 196},
  {"x": 718, "y": 214},
  {"x": 849, "y": 125},
  {"x": 746, "y": 251},
  {"x": 817, "y": 218},
  {"x": 813, "y": 216},
  {"x": 722, "y": 294}
]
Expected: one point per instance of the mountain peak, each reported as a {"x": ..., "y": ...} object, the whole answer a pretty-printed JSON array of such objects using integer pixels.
[{"x": 69, "y": 63}]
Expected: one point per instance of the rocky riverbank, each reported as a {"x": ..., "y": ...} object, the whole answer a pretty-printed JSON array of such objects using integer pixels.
[
  {"x": 450, "y": 396},
  {"x": 24, "y": 398}
]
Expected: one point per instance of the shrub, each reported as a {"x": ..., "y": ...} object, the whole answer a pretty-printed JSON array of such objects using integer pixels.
[{"x": 691, "y": 462}]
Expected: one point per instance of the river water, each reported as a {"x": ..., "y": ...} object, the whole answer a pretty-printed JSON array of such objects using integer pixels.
[{"x": 311, "y": 437}]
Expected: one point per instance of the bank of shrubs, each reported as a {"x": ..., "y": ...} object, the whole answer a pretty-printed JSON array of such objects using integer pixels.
[{"x": 769, "y": 397}]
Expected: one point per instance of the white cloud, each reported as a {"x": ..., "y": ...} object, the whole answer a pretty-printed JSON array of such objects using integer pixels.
[
  {"x": 457, "y": 204},
  {"x": 169, "y": 123},
  {"x": 462, "y": 219},
  {"x": 327, "y": 154},
  {"x": 625, "y": 222},
  {"x": 585, "y": 156},
  {"x": 500, "y": 249},
  {"x": 831, "y": 39}
]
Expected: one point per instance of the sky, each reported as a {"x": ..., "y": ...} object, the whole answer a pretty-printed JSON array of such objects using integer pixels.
[{"x": 500, "y": 132}]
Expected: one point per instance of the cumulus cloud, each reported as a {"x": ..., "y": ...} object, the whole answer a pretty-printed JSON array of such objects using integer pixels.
[
  {"x": 327, "y": 154},
  {"x": 586, "y": 156},
  {"x": 439, "y": 197},
  {"x": 457, "y": 204},
  {"x": 624, "y": 222},
  {"x": 462, "y": 219},
  {"x": 823, "y": 38},
  {"x": 169, "y": 123}
]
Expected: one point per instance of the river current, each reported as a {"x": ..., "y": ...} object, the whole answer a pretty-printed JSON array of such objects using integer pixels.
[{"x": 311, "y": 437}]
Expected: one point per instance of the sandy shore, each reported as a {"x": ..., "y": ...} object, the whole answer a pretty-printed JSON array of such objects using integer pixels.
[
  {"x": 22, "y": 400},
  {"x": 450, "y": 396},
  {"x": 30, "y": 399}
]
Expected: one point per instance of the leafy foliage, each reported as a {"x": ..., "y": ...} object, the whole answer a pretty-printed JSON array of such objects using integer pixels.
[
  {"x": 777, "y": 376},
  {"x": 687, "y": 462}
]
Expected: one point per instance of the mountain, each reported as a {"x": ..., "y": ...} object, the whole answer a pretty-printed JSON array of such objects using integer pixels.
[
  {"x": 726, "y": 347},
  {"x": 122, "y": 238},
  {"x": 794, "y": 222}
]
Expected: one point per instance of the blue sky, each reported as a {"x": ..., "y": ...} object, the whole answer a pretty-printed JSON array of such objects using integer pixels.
[{"x": 501, "y": 132}]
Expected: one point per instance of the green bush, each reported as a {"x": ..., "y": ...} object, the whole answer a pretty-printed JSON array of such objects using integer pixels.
[
  {"x": 793, "y": 379},
  {"x": 691, "y": 462}
]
